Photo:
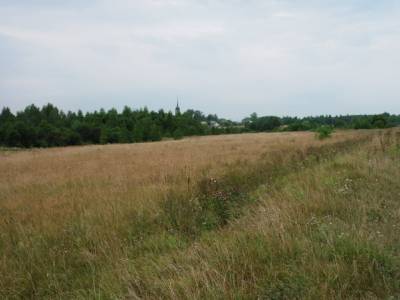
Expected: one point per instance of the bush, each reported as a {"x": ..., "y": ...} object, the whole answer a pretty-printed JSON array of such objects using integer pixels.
[{"x": 324, "y": 132}]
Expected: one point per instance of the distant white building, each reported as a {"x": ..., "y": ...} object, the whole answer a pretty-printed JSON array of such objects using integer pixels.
[
  {"x": 214, "y": 124},
  {"x": 211, "y": 124}
]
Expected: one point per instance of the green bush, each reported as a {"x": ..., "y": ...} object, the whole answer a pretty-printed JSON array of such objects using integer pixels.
[{"x": 324, "y": 132}]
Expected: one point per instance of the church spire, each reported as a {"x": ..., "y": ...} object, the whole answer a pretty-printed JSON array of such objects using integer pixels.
[{"x": 177, "y": 109}]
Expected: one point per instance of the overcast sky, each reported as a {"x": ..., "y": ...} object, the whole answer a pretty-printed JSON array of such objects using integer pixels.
[{"x": 287, "y": 57}]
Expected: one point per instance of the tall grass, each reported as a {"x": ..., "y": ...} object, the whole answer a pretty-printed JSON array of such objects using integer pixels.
[
  {"x": 297, "y": 218},
  {"x": 326, "y": 231}
]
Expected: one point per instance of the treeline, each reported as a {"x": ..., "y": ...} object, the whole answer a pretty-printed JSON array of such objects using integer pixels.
[
  {"x": 49, "y": 126},
  {"x": 271, "y": 123}
]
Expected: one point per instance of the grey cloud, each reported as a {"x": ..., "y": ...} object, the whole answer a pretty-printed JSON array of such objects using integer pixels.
[{"x": 228, "y": 57}]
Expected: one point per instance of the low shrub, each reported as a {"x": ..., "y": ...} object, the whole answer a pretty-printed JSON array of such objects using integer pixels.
[{"x": 324, "y": 132}]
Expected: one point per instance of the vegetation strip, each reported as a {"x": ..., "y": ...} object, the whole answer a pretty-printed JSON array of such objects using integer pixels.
[{"x": 215, "y": 201}]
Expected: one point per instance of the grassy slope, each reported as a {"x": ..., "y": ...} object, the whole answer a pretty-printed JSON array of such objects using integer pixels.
[
  {"x": 306, "y": 224},
  {"x": 330, "y": 230}
]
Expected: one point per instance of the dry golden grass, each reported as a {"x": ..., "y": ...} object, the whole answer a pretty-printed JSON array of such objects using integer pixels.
[
  {"x": 43, "y": 185},
  {"x": 89, "y": 222}
]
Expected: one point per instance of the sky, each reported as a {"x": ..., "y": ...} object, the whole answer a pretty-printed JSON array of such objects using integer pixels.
[{"x": 286, "y": 57}]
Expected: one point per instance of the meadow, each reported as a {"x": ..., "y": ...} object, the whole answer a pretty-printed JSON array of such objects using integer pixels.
[{"x": 247, "y": 216}]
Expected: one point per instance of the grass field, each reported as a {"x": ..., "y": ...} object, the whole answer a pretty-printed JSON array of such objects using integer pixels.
[{"x": 269, "y": 216}]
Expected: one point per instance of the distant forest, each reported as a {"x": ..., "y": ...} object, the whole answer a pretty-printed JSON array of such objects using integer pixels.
[{"x": 49, "y": 126}]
